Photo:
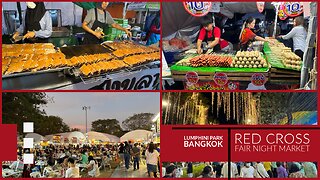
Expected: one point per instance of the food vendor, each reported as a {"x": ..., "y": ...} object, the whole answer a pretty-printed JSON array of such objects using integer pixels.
[
  {"x": 247, "y": 36},
  {"x": 211, "y": 35},
  {"x": 153, "y": 36},
  {"x": 298, "y": 35},
  {"x": 37, "y": 25},
  {"x": 96, "y": 20}
]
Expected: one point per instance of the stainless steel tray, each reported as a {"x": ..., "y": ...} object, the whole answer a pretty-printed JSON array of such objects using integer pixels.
[{"x": 35, "y": 73}]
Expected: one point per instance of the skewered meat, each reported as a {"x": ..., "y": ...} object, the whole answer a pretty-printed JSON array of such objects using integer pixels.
[{"x": 205, "y": 60}]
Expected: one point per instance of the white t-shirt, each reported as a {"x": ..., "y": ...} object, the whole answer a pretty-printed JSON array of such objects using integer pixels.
[
  {"x": 261, "y": 172},
  {"x": 299, "y": 36},
  {"x": 152, "y": 158},
  {"x": 224, "y": 170},
  {"x": 95, "y": 171},
  {"x": 247, "y": 172},
  {"x": 73, "y": 172}
]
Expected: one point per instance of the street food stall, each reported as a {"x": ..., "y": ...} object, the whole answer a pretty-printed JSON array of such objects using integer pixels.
[
  {"x": 118, "y": 63},
  {"x": 265, "y": 66}
]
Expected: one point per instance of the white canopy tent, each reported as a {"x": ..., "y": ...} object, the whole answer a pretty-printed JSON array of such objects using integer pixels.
[
  {"x": 137, "y": 135},
  {"x": 97, "y": 136},
  {"x": 37, "y": 138},
  {"x": 113, "y": 138},
  {"x": 80, "y": 137}
]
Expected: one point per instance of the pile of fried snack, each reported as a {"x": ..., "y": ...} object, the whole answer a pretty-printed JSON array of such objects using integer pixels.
[
  {"x": 280, "y": 52},
  {"x": 19, "y": 58}
]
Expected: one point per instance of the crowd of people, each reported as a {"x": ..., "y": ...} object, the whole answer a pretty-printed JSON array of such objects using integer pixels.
[
  {"x": 244, "y": 170},
  {"x": 74, "y": 161},
  {"x": 136, "y": 152}
]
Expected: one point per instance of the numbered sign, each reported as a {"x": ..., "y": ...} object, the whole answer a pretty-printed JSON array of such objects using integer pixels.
[
  {"x": 260, "y": 6},
  {"x": 292, "y": 9},
  {"x": 220, "y": 79},
  {"x": 197, "y": 9},
  {"x": 258, "y": 79}
]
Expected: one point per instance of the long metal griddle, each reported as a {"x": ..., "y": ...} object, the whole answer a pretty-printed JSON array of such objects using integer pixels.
[{"x": 63, "y": 76}]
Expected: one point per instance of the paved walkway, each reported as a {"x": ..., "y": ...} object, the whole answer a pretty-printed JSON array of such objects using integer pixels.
[{"x": 121, "y": 172}]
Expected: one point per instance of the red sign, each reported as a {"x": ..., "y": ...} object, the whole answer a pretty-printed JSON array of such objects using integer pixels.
[
  {"x": 186, "y": 142},
  {"x": 197, "y": 9},
  {"x": 192, "y": 78},
  {"x": 258, "y": 79},
  {"x": 220, "y": 79},
  {"x": 292, "y": 9},
  {"x": 274, "y": 144},
  {"x": 281, "y": 14},
  {"x": 260, "y": 6}
]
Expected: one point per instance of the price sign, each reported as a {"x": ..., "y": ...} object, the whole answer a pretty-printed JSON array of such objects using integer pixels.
[
  {"x": 292, "y": 9},
  {"x": 220, "y": 79},
  {"x": 258, "y": 79},
  {"x": 197, "y": 9},
  {"x": 192, "y": 78}
]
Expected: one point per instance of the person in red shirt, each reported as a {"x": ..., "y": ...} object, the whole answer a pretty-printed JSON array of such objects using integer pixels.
[
  {"x": 211, "y": 35},
  {"x": 247, "y": 36}
]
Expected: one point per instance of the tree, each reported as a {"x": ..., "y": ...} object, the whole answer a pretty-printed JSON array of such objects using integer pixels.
[
  {"x": 109, "y": 126},
  {"x": 26, "y": 107},
  {"x": 74, "y": 129},
  {"x": 21, "y": 107},
  {"x": 51, "y": 125},
  {"x": 138, "y": 121}
]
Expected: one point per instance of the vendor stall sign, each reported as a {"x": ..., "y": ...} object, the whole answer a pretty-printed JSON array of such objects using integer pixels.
[
  {"x": 281, "y": 14},
  {"x": 260, "y": 6},
  {"x": 220, "y": 79},
  {"x": 292, "y": 9},
  {"x": 147, "y": 79},
  {"x": 192, "y": 78},
  {"x": 258, "y": 79},
  {"x": 56, "y": 139},
  {"x": 197, "y": 9}
]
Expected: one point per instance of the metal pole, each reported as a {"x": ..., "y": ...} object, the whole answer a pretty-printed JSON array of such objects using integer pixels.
[
  {"x": 86, "y": 108},
  {"x": 275, "y": 21},
  {"x": 86, "y": 120}
]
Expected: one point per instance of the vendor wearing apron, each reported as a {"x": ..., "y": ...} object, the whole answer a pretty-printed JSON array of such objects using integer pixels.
[
  {"x": 209, "y": 36},
  {"x": 247, "y": 36},
  {"x": 96, "y": 20},
  {"x": 37, "y": 25}
]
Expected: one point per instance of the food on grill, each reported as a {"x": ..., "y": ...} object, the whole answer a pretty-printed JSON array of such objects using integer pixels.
[
  {"x": 142, "y": 58},
  {"x": 19, "y": 58},
  {"x": 206, "y": 60},
  {"x": 103, "y": 66}
]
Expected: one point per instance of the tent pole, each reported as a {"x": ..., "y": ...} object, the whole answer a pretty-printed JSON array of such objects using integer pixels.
[{"x": 275, "y": 21}]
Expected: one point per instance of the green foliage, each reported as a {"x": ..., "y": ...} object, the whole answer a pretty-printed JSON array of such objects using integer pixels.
[
  {"x": 138, "y": 121},
  {"x": 109, "y": 126}
]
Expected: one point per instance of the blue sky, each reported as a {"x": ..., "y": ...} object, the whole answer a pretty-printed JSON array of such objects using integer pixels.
[{"x": 118, "y": 105}]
